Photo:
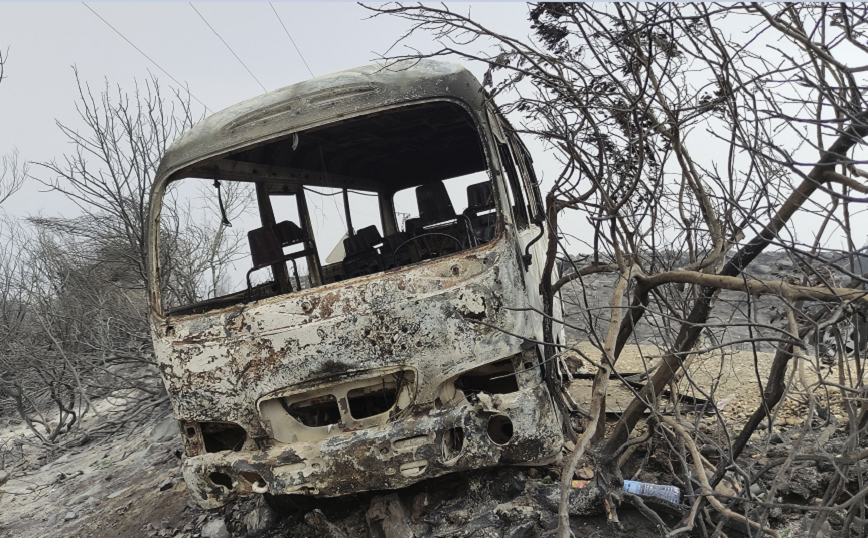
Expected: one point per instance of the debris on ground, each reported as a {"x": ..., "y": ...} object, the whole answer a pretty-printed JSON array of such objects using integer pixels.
[{"x": 130, "y": 485}]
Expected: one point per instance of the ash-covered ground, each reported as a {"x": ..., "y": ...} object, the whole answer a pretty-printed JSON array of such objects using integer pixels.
[{"x": 129, "y": 484}]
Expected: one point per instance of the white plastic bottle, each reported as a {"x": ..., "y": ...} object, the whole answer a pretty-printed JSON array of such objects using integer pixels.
[{"x": 667, "y": 493}]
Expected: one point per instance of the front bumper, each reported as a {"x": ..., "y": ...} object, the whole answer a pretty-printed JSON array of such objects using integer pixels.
[{"x": 429, "y": 443}]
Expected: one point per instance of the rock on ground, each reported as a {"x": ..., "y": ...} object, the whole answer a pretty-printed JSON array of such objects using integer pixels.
[
  {"x": 387, "y": 518},
  {"x": 215, "y": 529},
  {"x": 260, "y": 519},
  {"x": 165, "y": 430}
]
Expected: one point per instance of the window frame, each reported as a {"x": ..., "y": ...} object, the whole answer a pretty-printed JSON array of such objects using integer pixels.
[{"x": 210, "y": 169}]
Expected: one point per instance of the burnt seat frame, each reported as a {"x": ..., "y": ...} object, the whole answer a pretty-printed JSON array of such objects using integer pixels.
[
  {"x": 367, "y": 252},
  {"x": 267, "y": 244},
  {"x": 480, "y": 199},
  {"x": 435, "y": 209},
  {"x": 361, "y": 253},
  {"x": 389, "y": 251}
]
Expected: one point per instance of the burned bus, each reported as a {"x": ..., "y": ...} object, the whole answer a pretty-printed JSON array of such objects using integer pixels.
[{"x": 383, "y": 326}]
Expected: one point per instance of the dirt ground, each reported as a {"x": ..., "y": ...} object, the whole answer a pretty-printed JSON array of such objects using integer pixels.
[
  {"x": 734, "y": 377},
  {"x": 119, "y": 487},
  {"x": 132, "y": 488}
]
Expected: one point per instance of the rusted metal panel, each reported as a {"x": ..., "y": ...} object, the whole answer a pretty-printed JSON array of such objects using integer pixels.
[
  {"x": 217, "y": 366},
  {"x": 388, "y": 457}
]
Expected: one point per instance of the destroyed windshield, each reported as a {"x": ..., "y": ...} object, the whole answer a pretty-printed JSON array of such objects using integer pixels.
[{"x": 351, "y": 199}]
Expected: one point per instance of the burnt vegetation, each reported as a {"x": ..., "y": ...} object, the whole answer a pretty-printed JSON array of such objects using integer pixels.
[
  {"x": 693, "y": 138},
  {"x": 73, "y": 300}
]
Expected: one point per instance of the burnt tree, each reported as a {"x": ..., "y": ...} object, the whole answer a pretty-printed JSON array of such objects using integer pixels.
[{"x": 692, "y": 138}]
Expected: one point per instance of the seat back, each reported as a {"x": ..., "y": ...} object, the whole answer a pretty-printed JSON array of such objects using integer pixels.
[
  {"x": 406, "y": 255},
  {"x": 362, "y": 256},
  {"x": 411, "y": 225},
  {"x": 480, "y": 211},
  {"x": 479, "y": 198},
  {"x": 289, "y": 233},
  {"x": 265, "y": 248},
  {"x": 364, "y": 240},
  {"x": 434, "y": 203}
]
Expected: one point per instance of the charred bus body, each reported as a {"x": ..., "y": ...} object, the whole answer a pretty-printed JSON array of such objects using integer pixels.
[{"x": 406, "y": 353}]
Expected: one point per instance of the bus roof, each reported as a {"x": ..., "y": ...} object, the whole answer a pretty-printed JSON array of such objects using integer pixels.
[{"x": 318, "y": 101}]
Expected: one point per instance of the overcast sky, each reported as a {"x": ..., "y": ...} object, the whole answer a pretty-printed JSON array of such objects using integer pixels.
[{"x": 44, "y": 41}]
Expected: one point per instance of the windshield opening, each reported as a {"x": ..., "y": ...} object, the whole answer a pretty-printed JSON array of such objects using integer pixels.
[{"x": 347, "y": 200}]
